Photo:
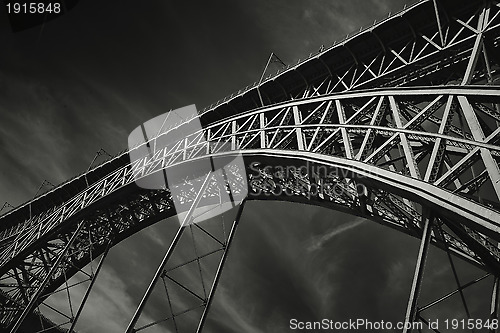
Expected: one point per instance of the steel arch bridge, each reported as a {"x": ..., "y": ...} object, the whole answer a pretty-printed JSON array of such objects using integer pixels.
[{"x": 398, "y": 124}]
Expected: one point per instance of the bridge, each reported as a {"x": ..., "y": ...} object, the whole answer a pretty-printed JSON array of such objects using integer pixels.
[{"x": 398, "y": 124}]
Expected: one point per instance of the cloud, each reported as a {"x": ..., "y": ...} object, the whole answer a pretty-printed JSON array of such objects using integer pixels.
[
  {"x": 107, "y": 297},
  {"x": 231, "y": 316},
  {"x": 317, "y": 242}
]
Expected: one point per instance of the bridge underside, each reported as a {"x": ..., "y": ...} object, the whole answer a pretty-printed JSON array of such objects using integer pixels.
[{"x": 271, "y": 175}]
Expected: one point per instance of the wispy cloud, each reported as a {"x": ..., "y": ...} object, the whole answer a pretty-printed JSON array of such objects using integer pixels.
[
  {"x": 317, "y": 242},
  {"x": 229, "y": 313},
  {"x": 107, "y": 297}
]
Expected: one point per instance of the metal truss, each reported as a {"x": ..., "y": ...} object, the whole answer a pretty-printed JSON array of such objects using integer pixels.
[
  {"x": 405, "y": 133},
  {"x": 407, "y": 48}
]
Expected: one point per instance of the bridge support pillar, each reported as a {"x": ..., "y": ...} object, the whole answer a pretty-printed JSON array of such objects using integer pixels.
[
  {"x": 494, "y": 303},
  {"x": 89, "y": 289},
  {"x": 219, "y": 269},
  {"x": 62, "y": 256},
  {"x": 411, "y": 310}
]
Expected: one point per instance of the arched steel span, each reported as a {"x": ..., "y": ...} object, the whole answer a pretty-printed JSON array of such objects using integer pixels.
[
  {"x": 414, "y": 148},
  {"x": 382, "y": 139}
]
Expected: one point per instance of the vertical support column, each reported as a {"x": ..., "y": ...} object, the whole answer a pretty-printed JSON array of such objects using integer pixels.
[
  {"x": 142, "y": 304},
  {"x": 478, "y": 45},
  {"x": 184, "y": 149},
  {"x": 234, "y": 128},
  {"x": 166, "y": 257},
  {"x": 438, "y": 19},
  {"x": 89, "y": 289},
  {"x": 345, "y": 136},
  {"x": 46, "y": 280},
  {"x": 494, "y": 303},
  {"x": 262, "y": 123},
  {"x": 437, "y": 154},
  {"x": 489, "y": 75},
  {"x": 368, "y": 139},
  {"x": 411, "y": 310},
  {"x": 209, "y": 132},
  {"x": 298, "y": 121},
  {"x": 219, "y": 268},
  {"x": 408, "y": 151}
]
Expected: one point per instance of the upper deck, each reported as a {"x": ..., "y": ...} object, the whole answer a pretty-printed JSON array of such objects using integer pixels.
[{"x": 405, "y": 49}]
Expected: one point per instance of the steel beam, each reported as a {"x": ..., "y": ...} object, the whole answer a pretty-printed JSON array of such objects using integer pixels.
[
  {"x": 495, "y": 294},
  {"x": 345, "y": 135},
  {"x": 437, "y": 158},
  {"x": 438, "y": 20},
  {"x": 298, "y": 130},
  {"x": 478, "y": 44},
  {"x": 38, "y": 293},
  {"x": 219, "y": 268},
  {"x": 74, "y": 320},
  {"x": 159, "y": 271},
  {"x": 408, "y": 151},
  {"x": 411, "y": 310},
  {"x": 166, "y": 257},
  {"x": 478, "y": 134}
]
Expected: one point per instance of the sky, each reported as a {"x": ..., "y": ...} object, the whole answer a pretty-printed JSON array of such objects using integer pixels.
[{"x": 85, "y": 80}]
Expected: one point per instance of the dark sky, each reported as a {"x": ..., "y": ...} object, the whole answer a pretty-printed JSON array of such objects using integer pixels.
[{"x": 84, "y": 81}]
